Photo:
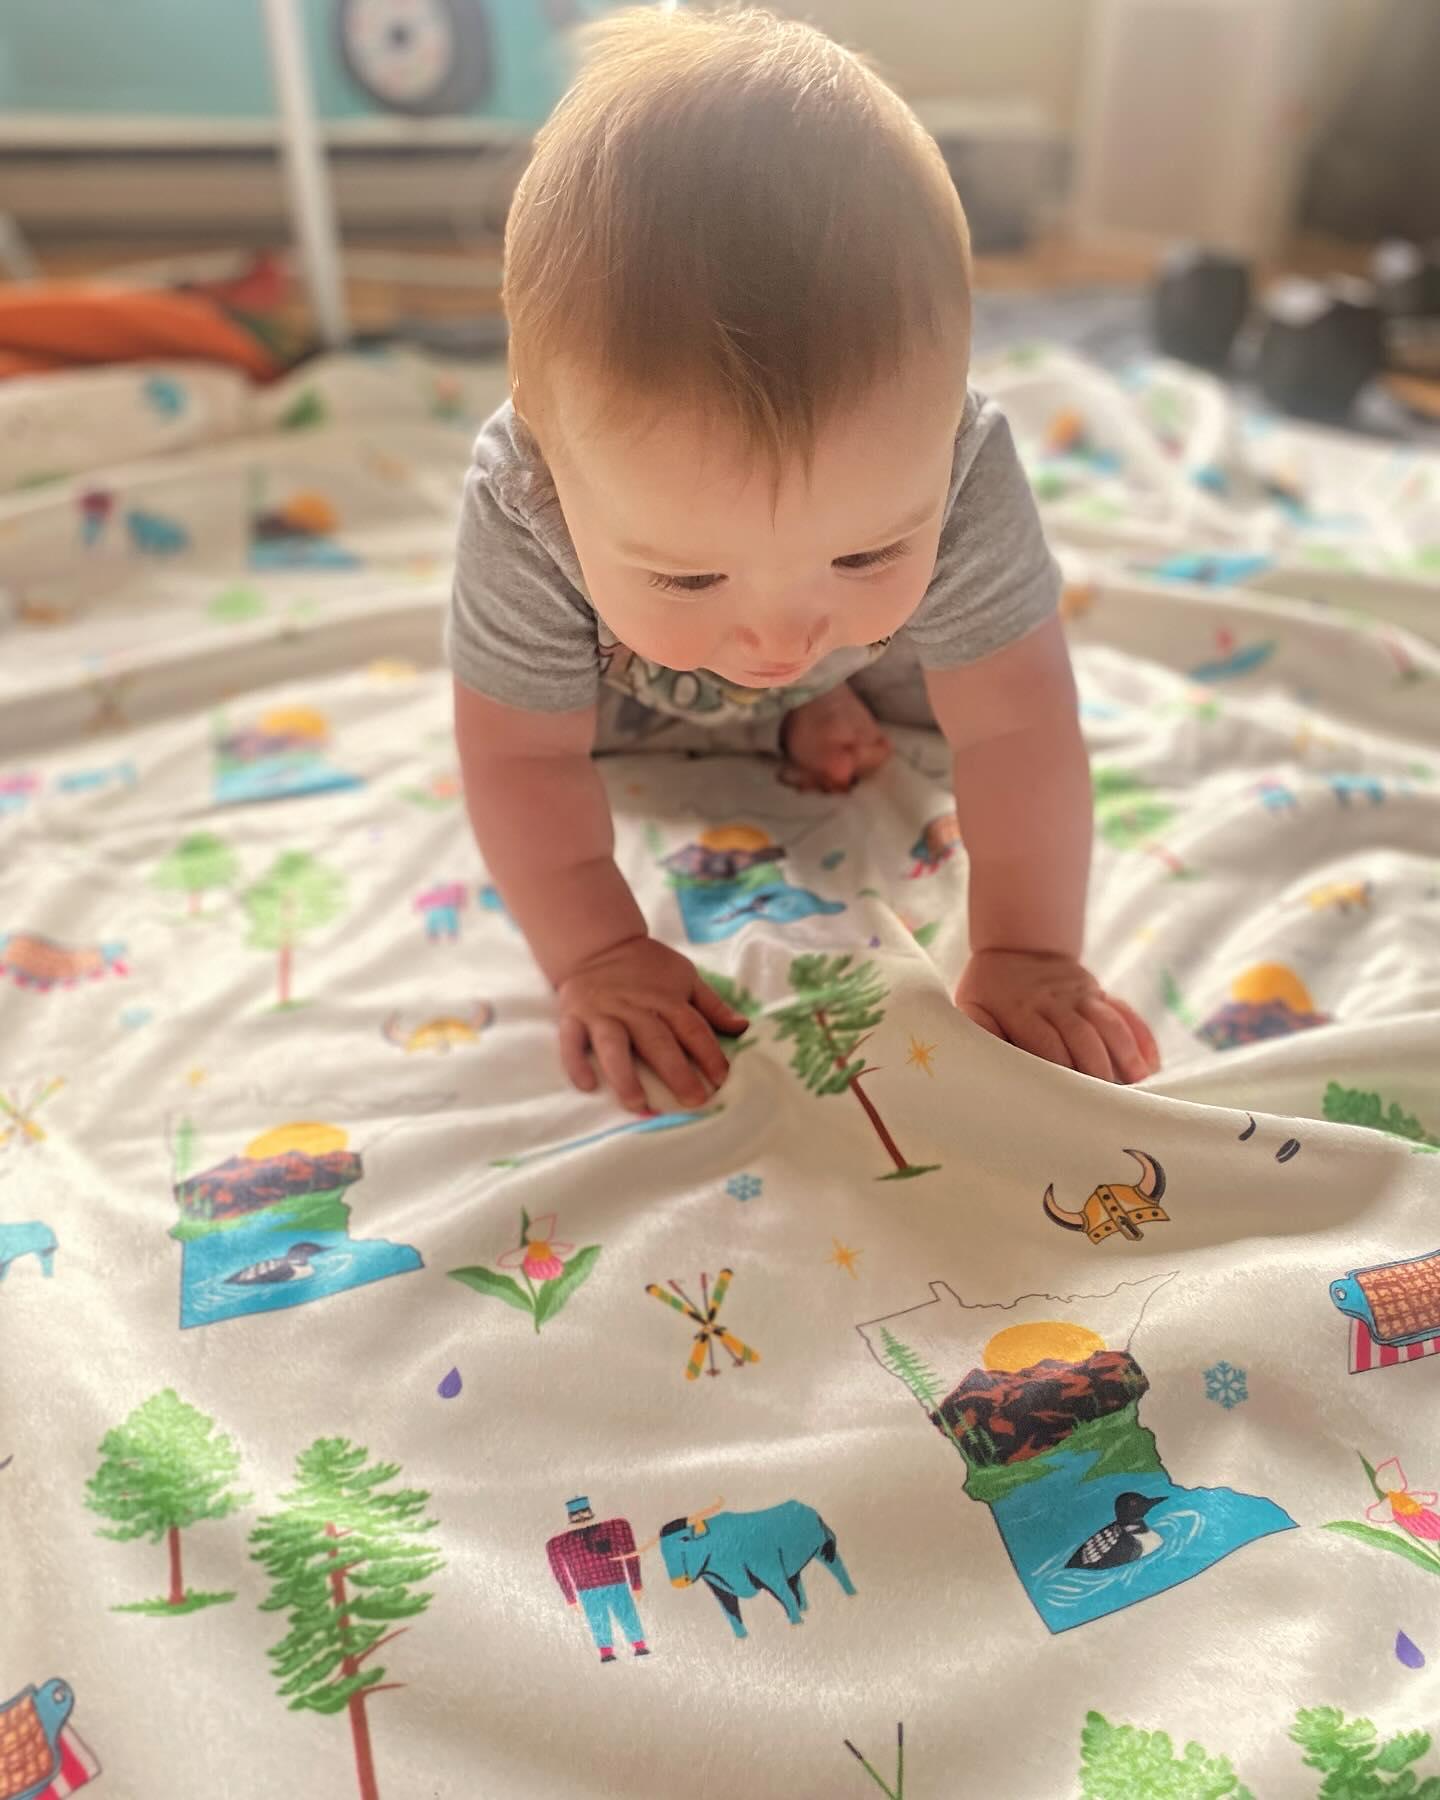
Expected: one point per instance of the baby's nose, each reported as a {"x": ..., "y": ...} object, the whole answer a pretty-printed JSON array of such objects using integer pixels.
[{"x": 790, "y": 638}]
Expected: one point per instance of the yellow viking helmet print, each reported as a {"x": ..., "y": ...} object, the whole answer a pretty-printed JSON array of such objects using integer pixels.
[{"x": 1111, "y": 1208}]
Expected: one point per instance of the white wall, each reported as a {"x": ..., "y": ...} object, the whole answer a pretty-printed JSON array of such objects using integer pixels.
[{"x": 991, "y": 49}]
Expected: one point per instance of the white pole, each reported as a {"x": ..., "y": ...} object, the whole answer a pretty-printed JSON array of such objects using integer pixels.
[{"x": 312, "y": 203}]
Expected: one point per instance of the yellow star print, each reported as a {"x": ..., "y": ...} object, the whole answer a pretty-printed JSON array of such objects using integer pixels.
[
  {"x": 843, "y": 1257},
  {"x": 919, "y": 1055}
]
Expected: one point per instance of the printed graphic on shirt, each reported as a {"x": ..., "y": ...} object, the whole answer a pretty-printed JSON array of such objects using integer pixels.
[
  {"x": 1040, "y": 1396},
  {"x": 730, "y": 876},
  {"x": 702, "y": 698},
  {"x": 269, "y": 1227}
]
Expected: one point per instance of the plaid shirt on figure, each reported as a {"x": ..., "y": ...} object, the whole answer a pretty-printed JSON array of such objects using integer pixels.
[{"x": 586, "y": 1557}]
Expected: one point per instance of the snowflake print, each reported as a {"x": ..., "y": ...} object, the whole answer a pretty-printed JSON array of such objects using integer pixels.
[
  {"x": 1226, "y": 1385},
  {"x": 744, "y": 1187}
]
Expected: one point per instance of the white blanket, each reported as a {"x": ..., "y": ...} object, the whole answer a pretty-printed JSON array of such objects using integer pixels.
[{"x": 377, "y": 1411}]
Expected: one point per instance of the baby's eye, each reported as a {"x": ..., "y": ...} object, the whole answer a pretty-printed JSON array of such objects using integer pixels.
[
  {"x": 872, "y": 559},
  {"x": 685, "y": 584}
]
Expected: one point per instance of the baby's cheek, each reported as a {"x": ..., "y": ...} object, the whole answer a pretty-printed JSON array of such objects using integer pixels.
[
  {"x": 876, "y": 616},
  {"x": 678, "y": 636}
]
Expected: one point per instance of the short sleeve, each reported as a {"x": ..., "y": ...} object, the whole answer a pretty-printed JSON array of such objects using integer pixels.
[
  {"x": 519, "y": 632},
  {"x": 995, "y": 579}
]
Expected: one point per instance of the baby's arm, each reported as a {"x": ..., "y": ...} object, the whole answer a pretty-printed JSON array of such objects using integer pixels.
[
  {"x": 1023, "y": 799},
  {"x": 542, "y": 820}
]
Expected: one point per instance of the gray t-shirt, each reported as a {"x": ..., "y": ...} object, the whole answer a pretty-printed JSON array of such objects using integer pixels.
[{"x": 523, "y": 631}]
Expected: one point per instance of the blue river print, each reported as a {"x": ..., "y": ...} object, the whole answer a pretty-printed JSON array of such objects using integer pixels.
[
  {"x": 729, "y": 877},
  {"x": 270, "y": 1229},
  {"x": 1041, "y": 1400},
  {"x": 1169, "y": 1534}
]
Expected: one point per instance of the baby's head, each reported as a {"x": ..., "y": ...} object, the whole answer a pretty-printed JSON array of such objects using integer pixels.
[{"x": 737, "y": 278}]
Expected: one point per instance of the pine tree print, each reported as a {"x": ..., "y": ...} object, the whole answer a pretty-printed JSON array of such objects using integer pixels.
[
  {"x": 165, "y": 1469},
  {"x": 297, "y": 895},
  {"x": 345, "y": 1559},
  {"x": 1353, "y": 1106},
  {"x": 921, "y": 1380},
  {"x": 836, "y": 1009},
  {"x": 1119, "y": 1762}
]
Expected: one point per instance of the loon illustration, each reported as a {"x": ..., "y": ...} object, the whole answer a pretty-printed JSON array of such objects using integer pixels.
[
  {"x": 294, "y": 1265},
  {"x": 1125, "y": 1541}
]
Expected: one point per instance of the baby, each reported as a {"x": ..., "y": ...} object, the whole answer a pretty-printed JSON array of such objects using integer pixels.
[{"x": 742, "y": 497}]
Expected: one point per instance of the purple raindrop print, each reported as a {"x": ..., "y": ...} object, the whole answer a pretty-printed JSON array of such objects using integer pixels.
[
  {"x": 450, "y": 1386},
  {"x": 1408, "y": 1652}
]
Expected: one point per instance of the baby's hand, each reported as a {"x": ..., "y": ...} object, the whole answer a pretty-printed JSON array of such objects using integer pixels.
[
  {"x": 641, "y": 998},
  {"x": 1052, "y": 1007}
]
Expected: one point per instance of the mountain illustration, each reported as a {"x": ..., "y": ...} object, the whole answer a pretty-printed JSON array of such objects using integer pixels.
[{"x": 269, "y": 1228}]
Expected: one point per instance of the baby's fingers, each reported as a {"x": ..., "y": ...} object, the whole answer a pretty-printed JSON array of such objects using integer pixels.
[
  {"x": 718, "y": 1012},
  {"x": 701, "y": 1042},
  {"x": 1030, "y": 1032},
  {"x": 1086, "y": 1046},
  {"x": 978, "y": 1014},
  {"x": 575, "y": 1053},
  {"x": 658, "y": 1045},
  {"x": 1144, "y": 1036},
  {"x": 1119, "y": 1036},
  {"x": 617, "y": 1063}
]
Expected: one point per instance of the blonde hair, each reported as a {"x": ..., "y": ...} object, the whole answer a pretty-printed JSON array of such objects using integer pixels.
[{"x": 730, "y": 211}]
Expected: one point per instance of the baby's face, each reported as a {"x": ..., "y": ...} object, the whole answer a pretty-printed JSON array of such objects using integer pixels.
[{"x": 693, "y": 563}]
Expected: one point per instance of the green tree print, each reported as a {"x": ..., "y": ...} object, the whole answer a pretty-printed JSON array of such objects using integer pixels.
[
  {"x": 1126, "y": 810},
  {"x": 297, "y": 895},
  {"x": 918, "y": 1376},
  {"x": 1120, "y": 1762},
  {"x": 197, "y": 864},
  {"x": 345, "y": 1557},
  {"x": 1355, "y": 1763},
  {"x": 165, "y": 1469},
  {"x": 836, "y": 1008},
  {"x": 1353, "y": 1106}
]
